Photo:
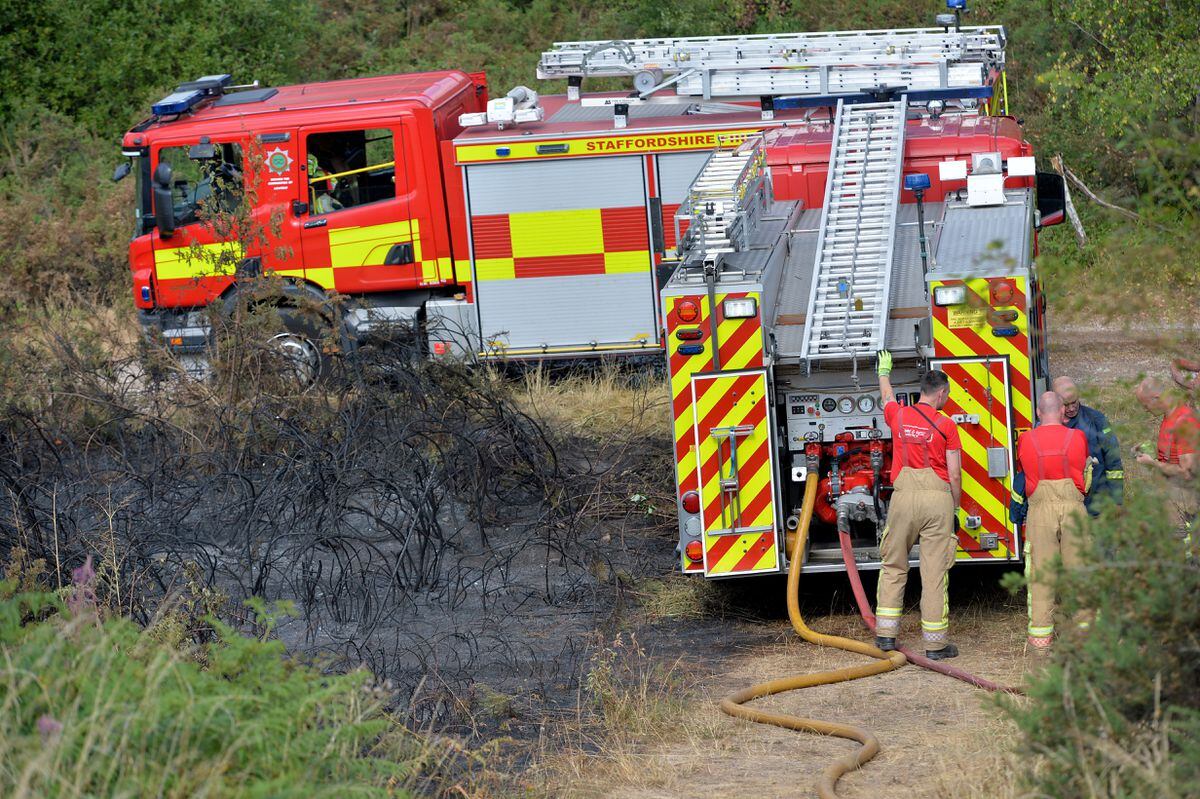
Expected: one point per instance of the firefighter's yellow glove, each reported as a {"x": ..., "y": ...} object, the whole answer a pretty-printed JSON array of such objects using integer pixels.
[{"x": 883, "y": 363}]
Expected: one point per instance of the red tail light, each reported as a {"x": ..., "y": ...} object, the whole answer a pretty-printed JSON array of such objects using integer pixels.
[
  {"x": 690, "y": 502},
  {"x": 689, "y": 334},
  {"x": 687, "y": 311},
  {"x": 694, "y": 551}
]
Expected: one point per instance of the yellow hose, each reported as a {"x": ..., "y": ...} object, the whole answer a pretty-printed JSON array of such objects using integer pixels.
[{"x": 734, "y": 705}]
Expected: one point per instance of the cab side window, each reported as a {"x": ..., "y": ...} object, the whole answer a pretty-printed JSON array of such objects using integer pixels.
[
  {"x": 349, "y": 168},
  {"x": 206, "y": 180}
]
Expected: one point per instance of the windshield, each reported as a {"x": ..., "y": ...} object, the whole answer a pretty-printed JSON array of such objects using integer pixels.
[{"x": 204, "y": 187}]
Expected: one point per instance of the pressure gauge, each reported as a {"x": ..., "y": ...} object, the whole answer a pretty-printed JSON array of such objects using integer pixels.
[
  {"x": 866, "y": 404},
  {"x": 846, "y": 405},
  {"x": 829, "y": 405}
]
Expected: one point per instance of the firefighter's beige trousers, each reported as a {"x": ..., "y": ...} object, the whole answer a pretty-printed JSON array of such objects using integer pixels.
[
  {"x": 922, "y": 508},
  {"x": 1052, "y": 528}
]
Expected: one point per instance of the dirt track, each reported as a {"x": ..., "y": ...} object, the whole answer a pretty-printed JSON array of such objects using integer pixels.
[{"x": 940, "y": 737}]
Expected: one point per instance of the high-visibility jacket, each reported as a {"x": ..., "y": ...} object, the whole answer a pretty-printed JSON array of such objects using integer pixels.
[{"x": 1108, "y": 474}]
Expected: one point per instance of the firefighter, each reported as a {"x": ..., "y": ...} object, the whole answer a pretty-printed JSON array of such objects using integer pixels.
[
  {"x": 1053, "y": 458},
  {"x": 1108, "y": 474},
  {"x": 927, "y": 476},
  {"x": 1178, "y": 441}
]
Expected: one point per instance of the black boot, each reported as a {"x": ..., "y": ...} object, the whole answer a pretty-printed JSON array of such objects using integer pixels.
[
  {"x": 886, "y": 644},
  {"x": 947, "y": 652}
]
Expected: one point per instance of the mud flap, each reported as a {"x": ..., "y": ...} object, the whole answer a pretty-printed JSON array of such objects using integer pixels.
[{"x": 736, "y": 466}]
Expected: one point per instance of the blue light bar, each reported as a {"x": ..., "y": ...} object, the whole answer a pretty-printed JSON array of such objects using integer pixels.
[
  {"x": 176, "y": 103},
  {"x": 918, "y": 181},
  {"x": 960, "y": 4}
]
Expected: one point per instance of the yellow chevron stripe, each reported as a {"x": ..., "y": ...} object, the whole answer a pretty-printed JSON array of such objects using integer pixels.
[
  {"x": 735, "y": 553},
  {"x": 748, "y": 352},
  {"x": 751, "y": 488},
  {"x": 950, "y": 341},
  {"x": 977, "y": 452},
  {"x": 770, "y": 560}
]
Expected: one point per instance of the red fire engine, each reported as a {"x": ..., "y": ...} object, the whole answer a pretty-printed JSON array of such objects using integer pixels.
[
  {"x": 516, "y": 227},
  {"x": 894, "y": 219}
]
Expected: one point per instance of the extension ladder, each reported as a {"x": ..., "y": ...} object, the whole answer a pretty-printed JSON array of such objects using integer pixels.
[
  {"x": 720, "y": 200},
  {"x": 789, "y": 63},
  {"x": 848, "y": 302}
]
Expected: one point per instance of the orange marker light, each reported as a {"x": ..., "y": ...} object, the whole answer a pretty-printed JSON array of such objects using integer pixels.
[
  {"x": 694, "y": 551},
  {"x": 687, "y": 311}
]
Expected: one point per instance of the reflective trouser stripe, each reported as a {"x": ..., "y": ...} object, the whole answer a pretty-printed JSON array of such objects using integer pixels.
[
  {"x": 921, "y": 510},
  {"x": 1051, "y": 531},
  {"x": 1115, "y": 475}
]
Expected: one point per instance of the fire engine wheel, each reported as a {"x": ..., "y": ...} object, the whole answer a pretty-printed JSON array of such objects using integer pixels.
[{"x": 298, "y": 346}]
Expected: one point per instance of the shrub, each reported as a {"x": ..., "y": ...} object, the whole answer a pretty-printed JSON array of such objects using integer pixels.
[
  {"x": 1117, "y": 711},
  {"x": 95, "y": 707}
]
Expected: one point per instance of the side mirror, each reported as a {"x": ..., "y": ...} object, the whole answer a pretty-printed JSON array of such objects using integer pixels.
[
  {"x": 164, "y": 203},
  {"x": 121, "y": 172},
  {"x": 1051, "y": 198}
]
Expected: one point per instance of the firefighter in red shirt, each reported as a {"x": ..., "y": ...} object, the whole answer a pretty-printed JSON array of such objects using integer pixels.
[
  {"x": 1178, "y": 442},
  {"x": 1053, "y": 458},
  {"x": 927, "y": 476}
]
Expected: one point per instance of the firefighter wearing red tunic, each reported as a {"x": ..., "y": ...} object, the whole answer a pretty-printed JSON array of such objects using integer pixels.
[
  {"x": 1178, "y": 442},
  {"x": 927, "y": 476},
  {"x": 1053, "y": 458}
]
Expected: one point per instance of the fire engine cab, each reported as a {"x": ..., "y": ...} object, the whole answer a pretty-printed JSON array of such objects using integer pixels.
[
  {"x": 898, "y": 219},
  {"x": 516, "y": 226}
]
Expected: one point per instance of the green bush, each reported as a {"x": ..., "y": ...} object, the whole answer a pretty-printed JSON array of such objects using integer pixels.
[
  {"x": 1117, "y": 711},
  {"x": 64, "y": 224},
  {"x": 102, "y": 62},
  {"x": 104, "y": 708}
]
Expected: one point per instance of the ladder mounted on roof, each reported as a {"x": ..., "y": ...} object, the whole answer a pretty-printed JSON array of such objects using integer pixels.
[
  {"x": 723, "y": 203},
  {"x": 851, "y": 286},
  {"x": 807, "y": 64}
]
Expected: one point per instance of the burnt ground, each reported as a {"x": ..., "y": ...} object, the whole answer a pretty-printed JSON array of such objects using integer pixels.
[{"x": 506, "y": 567}]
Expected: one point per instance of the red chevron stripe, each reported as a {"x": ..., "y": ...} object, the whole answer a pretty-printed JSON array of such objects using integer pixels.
[
  {"x": 749, "y": 466},
  {"x": 733, "y": 343},
  {"x": 995, "y": 488},
  {"x": 759, "y": 503},
  {"x": 725, "y": 403},
  {"x": 975, "y": 391},
  {"x": 718, "y": 549},
  {"x": 755, "y": 415},
  {"x": 755, "y": 553}
]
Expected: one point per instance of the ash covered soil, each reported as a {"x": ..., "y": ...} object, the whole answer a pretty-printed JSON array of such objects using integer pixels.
[{"x": 500, "y": 551}]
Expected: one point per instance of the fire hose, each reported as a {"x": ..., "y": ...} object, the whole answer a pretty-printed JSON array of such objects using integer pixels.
[{"x": 734, "y": 705}]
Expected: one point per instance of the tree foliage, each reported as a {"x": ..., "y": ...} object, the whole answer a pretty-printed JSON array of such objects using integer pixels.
[
  {"x": 1117, "y": 713},
  {"x": 98, "y": 61}
]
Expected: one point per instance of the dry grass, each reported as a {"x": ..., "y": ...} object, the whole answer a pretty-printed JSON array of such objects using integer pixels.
[
  {"x": 630, "y": 709},
  {"x": 608, "y": 401},
  {"x": 665, "y": 737},
  {"x": 678, "y": 597}
]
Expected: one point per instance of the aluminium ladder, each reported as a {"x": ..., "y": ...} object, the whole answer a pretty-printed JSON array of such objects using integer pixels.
[
  {"x": 791, "y": 63},
  {"x": 714, "y": 199},
  {"x": 851, "y": 282}
]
